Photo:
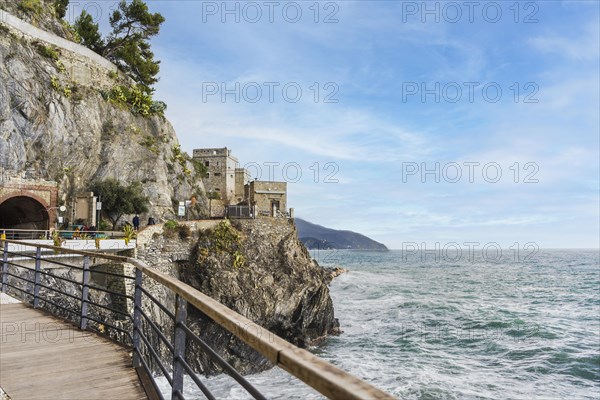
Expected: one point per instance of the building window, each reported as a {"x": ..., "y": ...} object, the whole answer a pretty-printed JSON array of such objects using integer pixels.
[
  {"x": 207, "y": 175},
  {"x": 217, "y": 174},
  {"x": 217, "y": 190},
  {"x": 206, "y": 163}
]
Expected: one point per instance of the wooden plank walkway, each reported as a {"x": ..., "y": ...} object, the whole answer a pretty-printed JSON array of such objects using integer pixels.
[{"x": 42, "y": 357}]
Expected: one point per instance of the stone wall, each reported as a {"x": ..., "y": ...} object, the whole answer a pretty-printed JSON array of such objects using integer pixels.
[
  {"x": 83, "y": 66},
  {"x": 46, "y": 191}
]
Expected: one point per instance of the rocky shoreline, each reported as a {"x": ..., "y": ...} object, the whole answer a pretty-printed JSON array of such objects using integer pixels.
[
  {"x": 258, "y": 268},
  {"x": 333, "y": 272}
]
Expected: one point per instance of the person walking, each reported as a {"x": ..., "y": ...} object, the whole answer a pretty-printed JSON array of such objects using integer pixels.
[{"x": 136, "y": 222}]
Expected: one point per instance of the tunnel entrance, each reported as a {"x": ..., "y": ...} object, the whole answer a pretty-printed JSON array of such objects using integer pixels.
[{"x": 23, "y": 212}]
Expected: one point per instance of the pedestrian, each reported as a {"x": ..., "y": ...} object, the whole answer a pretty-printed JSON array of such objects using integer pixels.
[
  {"x": 136, "y": 222},
  {"x": 151, "y": 221}
]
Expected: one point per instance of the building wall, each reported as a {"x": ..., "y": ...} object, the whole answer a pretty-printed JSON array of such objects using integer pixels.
[
  {"x": 221, "y": 166},
  {"x": 241, "y": 179},
  {"x": 232, "y": 164},
  {"x": 85, "y": 209},
  {"x": 263, "y": 194}
]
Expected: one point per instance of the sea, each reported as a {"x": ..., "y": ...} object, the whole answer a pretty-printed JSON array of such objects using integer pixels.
[{"x": 427, "y": 325}]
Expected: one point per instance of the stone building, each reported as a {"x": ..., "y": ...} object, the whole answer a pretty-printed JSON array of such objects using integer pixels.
[
  {"x": 232, "y": 183},
  {"x": 221, "y": 175},
  {"x": 267, "y": 198},
  {"x": 241, "y": 179}
]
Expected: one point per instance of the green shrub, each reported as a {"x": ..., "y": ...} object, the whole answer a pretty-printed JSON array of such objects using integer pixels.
[
  {"x": 47, "y": 51},
  {"x": 60, "y": 66},
  {"x": 151, "y": 143},
  {"x": 60, "y": 8},
  {"x": 104, "y": 226},
  {"x": 34, "y": 7},
  {"x": 54, "y": 82},
  {"x": 135, "y": 99},
  {"x": 171, "y": 224},
  {"x": 72, "y": 32},
  {"x": 223, "y": 239}
]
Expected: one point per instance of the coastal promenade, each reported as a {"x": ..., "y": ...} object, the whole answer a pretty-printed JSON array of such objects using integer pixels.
[
  {"x": 46, "y": 357},
  {"x": 43, "y": 357}
]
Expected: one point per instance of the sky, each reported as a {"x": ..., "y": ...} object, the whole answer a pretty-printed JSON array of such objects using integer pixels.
[{"x": 428, "y": 123}]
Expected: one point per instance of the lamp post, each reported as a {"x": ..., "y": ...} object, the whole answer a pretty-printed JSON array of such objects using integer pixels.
[{"x": 98, "y": 212}]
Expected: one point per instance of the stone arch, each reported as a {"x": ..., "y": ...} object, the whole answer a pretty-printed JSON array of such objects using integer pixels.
[{"x": 24, "y": 210}]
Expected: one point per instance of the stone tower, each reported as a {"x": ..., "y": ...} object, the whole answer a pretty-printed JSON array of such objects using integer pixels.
[{"x": 221, "y": 176}]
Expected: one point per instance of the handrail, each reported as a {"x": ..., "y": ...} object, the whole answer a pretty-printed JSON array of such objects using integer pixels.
[
  {"x": 317, "y": 373},
  {"x": 31, "y": 233}
]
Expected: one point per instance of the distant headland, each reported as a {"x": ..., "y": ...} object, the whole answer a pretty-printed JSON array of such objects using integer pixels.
[{"x": 319, "y": 237}]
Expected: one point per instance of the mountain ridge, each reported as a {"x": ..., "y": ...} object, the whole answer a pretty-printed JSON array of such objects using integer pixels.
[{"x": 316, "y": 236}]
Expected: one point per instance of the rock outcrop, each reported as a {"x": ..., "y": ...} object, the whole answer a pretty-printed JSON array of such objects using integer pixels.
[
  {"x": 57, "y": 124},
  {"x": 258, "y": 268}
]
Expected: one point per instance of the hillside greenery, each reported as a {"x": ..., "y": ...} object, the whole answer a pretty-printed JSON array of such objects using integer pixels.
[{"x": 128, "y": 43}]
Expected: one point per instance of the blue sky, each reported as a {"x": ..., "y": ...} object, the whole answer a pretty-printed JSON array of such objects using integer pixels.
[{"x": 394, "y": 75}]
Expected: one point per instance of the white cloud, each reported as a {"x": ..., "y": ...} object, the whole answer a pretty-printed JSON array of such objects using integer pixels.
[{"x": 583, "y": 47}]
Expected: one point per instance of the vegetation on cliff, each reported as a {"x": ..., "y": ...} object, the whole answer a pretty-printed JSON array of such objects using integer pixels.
[
  {"x": 55, "y": 124},
  {"x": 128, "y": 44}
]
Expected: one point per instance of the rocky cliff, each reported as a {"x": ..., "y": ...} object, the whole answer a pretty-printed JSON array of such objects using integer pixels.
[
  {"x": 61, "y": 119},
  {"x": 258, "y": 268}
]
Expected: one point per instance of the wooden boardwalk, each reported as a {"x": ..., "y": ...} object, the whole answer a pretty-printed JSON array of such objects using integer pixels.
[{"x": 42, "y": 357}]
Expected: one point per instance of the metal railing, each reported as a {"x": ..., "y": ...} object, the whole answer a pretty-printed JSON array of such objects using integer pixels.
[
  {"x": 239, "y": 212},
  {"x": 37, "y": 234},
  {"x": 88, "y": 296}
]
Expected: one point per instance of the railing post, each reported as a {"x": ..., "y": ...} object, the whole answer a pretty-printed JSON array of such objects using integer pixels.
[
  {"x": 85, "y": 293},
  {"x": 179, "y": 347},
  {"x": 5, "y": 267},
  {"x": 137, "y": 317},
  {"x": 37, "y": 277}
]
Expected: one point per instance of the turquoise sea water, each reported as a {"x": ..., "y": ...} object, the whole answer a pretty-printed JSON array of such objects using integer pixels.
[{"x": 427, "y": 328}]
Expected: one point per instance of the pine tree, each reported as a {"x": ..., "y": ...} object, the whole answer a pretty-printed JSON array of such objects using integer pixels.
[
  {"x": 128, "y": 44},
  {"x": 60, "y": 6},
  {"x": 89, "y": 32}
]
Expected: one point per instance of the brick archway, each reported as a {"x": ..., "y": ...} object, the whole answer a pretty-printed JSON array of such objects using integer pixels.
[{"x": 25, "y": 210}]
